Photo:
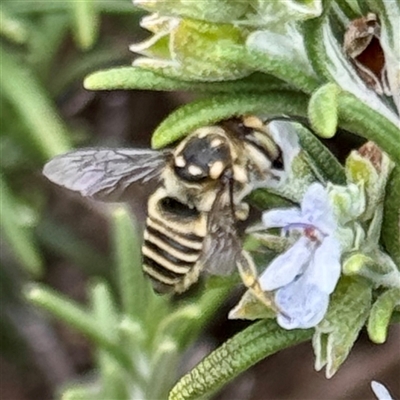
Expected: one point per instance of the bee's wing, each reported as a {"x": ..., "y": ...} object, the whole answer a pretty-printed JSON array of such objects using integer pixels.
[
  {"x": 222, "y": 246},
  {"x": 105, "y": 173}
]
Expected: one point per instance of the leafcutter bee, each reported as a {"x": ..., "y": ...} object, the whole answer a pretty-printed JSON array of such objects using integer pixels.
[{"x": 193, "y": 214}]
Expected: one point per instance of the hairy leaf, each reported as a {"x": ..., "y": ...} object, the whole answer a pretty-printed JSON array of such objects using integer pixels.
[
  {"x": 381, "y": 313},
  {"x": 211, "y": 110},
  {"x": 335, "y": 335},
  {"x": 324, "y": 162},
  {"x": 140, "y": 78},
  {"x": 391, "y": 216},
  {"x": 235, "y": 356}
]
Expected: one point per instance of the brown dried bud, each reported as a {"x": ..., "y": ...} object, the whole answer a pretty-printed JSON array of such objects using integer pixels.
[
  {"x": 370, "y": 151},
  {"x": 363, "y": 47}
]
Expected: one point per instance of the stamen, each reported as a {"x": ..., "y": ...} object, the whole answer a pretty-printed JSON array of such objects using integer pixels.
[{"x": 310, "y": 231}]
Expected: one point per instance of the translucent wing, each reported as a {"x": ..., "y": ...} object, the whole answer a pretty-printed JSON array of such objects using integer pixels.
[
  {"x": 222, "y": 246},
  {"x": 100, "y": 173}
]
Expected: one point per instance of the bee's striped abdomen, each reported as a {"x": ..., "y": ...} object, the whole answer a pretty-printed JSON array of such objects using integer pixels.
[{"x": 172, "y": 247}]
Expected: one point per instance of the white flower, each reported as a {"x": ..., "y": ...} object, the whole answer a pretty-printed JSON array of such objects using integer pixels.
[
  {"x": 380, "y": 391},
  {"x": 305, "y": 275}
]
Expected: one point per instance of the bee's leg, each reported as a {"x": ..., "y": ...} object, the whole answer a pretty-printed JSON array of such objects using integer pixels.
[{"x": 248, "y": 273}]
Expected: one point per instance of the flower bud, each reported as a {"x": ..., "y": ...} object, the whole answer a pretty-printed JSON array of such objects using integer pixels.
[
  {"x": 190, "y": 49},
  {"x": 206, "y": 10},
  {"x": 348, "y": 201},
  {"x": 369, "y": 166}
]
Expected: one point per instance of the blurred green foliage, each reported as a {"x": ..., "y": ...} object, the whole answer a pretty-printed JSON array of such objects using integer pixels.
[{"x": 46, "y": 48}]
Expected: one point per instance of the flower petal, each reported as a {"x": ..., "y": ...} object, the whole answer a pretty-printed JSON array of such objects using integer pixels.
[
  {"x": 324, "y": 269},
  {"x": 380, "y": 391},
  {"x": 317, "y": 210},
  {"x": 286, "y": 266},
  {"x": 281, "y": 217},
  {"x": 302, "y": 305}
]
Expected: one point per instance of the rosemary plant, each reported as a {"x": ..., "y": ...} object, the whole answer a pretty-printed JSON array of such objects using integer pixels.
[{"x": 335, "y": 269}]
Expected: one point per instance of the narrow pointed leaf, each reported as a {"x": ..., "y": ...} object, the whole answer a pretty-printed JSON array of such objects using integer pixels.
[
  {"x": 391, "y": 216},
  {"x": 164, "y": 364},
  {"x": 381, "y": 313},
  {"x": 75, "y": 316},
  {"x": 292, "y": 73},
  {"x": 12, "y": 28},
  {"x": 45, "y": 42},
  {"x": 40, "y": 6},
  {"x": 79, "y": 392},
  {"x": 211, "y": 110},
  {"x": 107, "y": 319},
  {"x": 47, "y": 133},
  {"x": 134, "y": 288},
  {"x": 362, "y": 120},
  {"x": 139, "y": 78},
  {"x": 325, "y": 163},
  {"x": 20, "y": 238},
  {"x": 249, "y": 307},
  {"x": 335, "y": 335},
  {"x": 263, "y": 199},
  {"x": 86, "y": 22},
  {"x": 235, "y": 356}
]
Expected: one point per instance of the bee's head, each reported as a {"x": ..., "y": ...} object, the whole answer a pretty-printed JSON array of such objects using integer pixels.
[{"x": 205, "y": 154}]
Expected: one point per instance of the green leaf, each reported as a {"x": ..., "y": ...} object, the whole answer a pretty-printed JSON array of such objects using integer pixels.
[
  {"x": 86, "y": 22},
  {"x": 75, "y": 316},
  {"x": 295, "y": 74},
  {"x": 20, "y": 238},
  {"x": 362, "y": 120},
  {"x": 79, "y": 392},
  {"x": 335, "y": 335},
  {"x": 178, "y": 324},
  {"x": 107, "y": 319},
  {"x": 191, "y": 49},
  {"x": 12, "y": 28},
  {"x": 324, "y": 163},
  {"x": 381, "y": 314},
  {"x": 209, "y": 10},
  {"x": 351, "y": 8},
  {"x": 322, "y": 110},
  {"x": 211, "y": 110},
  {"x": 263, "y": 199},
  {"x": 139, "y": 78},
  {"x": 58, "y": 238},
  {"x": 184, "y": 324},
  {"x": 163, "y": 366},
  {"x": 41, "y": 6},
  {"x": 391, "y": 216},
  {"x": 47, "y": 133},
  {"x": 256, "y": 342},
  {"x": 45, "y": 40},
  {"x": 250, "y": 307},
  {"x": 134, "y": 287}
]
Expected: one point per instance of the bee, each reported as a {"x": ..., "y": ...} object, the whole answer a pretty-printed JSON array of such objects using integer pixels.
[{"x": 198, "y": 201}]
